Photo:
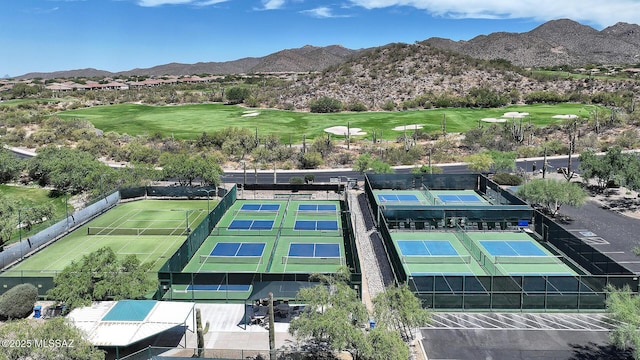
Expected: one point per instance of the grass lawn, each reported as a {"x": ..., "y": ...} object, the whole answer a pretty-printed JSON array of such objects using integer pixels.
[
  {"x": 30, "y": 196},
  {"x": 136, "y": 214},
  {"x": 190, "y": 121}
]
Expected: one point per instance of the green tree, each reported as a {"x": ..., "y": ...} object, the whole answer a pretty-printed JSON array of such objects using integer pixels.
[
  {"x": 479, "y": 162},
  {"x": 386, "y": 345},
  {"x": 18, "y": 302},
  {"x": 100, "y": 275},
  {"x": 334, "y": 315},
  {"x": 13, "y": 211},
  {"x": 186, "y": 168},
  {"x": 63, "y": 340},
  {"x": 503, "y": 161},
  {"x": 362, "y": 163},
  {"x": 552, "y": 194},
  {"x": 8, "y": 217},
  {"x": 623, "y": 306},
  {"x": 68, "y": 170},
  {"x": 607, "y": 168},
  {"x": 378, "y": 166},
  {"x": 10, "y": 166},
  {"x": 365, "y": 163},
  {"x": 35, "y": 215},
  {"x": 137, "y": 174},
  {"x": 237, "y": 94},
  {"x": 399, "y": 310}
]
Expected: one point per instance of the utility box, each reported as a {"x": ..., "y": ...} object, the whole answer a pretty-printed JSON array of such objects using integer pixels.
[{"x": 37, "y": 311}]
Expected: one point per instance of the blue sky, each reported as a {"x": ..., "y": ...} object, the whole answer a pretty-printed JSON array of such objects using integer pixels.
[{"x": 118, "y": 35}]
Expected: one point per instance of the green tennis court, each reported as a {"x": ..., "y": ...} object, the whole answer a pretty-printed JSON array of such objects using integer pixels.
[
  {"x": 138, "y": 227},
  {"x": 401, "y": 197},
  {"x": 256, "y": 236},
  {"x": 515, "y": 253},
  {"x": 458, "y": 198},
  {"x": 448, "y": 256}
]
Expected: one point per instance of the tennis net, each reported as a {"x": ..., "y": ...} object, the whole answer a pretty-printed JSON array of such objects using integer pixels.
[
  {"x": 313, "y": 260},
  {"x": 425, "y": 191},
  {"x": 215, "y": 259},
  {"x": 437, "y": 259},
  {"x": 96, "y": 230},
  {"x": 528, "y": 259},
  {"x": 468, "y": 242},
  {"x": 256, "y": 213}
]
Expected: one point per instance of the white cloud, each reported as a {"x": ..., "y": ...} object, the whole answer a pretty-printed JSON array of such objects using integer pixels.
[
  {"x": 321, "y": 12},
  {"x": 153, "y": 3},
  {"x": 596, "y": 12},
  {"x": 273, "y": 4}
]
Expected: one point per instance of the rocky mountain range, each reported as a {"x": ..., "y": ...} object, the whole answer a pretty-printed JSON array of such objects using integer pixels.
[
  {"x": 304, "y": 59},
  {"x": 557, "y": 42}
]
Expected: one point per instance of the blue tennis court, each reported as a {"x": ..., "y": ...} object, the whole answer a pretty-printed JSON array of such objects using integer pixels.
[
  {"x": 319, "y": 250},
  {"x": 238, "y": 224},
  {"x": 426, "y": 248},
  {"x": 462, "y": 198},
  {"x": 397, "y": 198},
  {"x": 220, "y": 287},
  {"x": 316, "y": 207},
  {"x": 512, "y": 248},
  {"x": 316, "y": 225},
  {"x": 260, "y": 207},
  {"x": 238, "y": 249}
]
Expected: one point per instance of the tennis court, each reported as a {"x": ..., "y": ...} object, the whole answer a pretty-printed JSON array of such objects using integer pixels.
[
  {"x": 516, "y": 253},
  {"x": 459, "y": 197},
  {"x": 308, "y": 254},
  {"x": 150, "y": 229},
  {"x": 434, "y": 253},
  {"x": 231, "y": 254},
  {"x": 397, "y": 197},
  {"x": 300, "y": 236}
]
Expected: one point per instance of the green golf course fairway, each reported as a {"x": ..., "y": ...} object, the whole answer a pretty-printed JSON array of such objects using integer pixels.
[{"x": 190, "y": 121}]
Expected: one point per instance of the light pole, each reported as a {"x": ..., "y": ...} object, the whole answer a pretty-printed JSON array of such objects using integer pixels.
[
  {"x": 187, "y": 218},
  {"x": 208, "y": 192},
  {"x": 101, "y": 192},
  {"x": 20, "y": 230},
  {"x": 66, "y": 207}
]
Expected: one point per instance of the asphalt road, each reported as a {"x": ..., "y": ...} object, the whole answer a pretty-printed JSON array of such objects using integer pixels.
[
  {"x": 324, "y": 175},
  {"x": 283, "y": 176}
]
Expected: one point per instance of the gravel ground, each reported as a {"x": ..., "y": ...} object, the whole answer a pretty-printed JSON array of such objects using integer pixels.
[{"x": 376, "y": 271}]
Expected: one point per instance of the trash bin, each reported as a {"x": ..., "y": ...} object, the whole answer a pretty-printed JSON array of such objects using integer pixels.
[
  {"x": 372, "y": 323},
  {"x": 37, "y": 311}
]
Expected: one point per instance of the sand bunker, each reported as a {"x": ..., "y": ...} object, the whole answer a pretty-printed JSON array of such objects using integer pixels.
[
  {"x": 568, "y": 116},
  {"x": 250, "y": 113},
  {"x": 408, "y": 127},
  {"x": 493, "y": 120},
  {"x": 515, "y": 114},
  {"x": 342, "y": 130}
]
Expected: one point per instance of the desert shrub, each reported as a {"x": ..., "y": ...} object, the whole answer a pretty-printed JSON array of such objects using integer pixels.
[
  {"x": 504, "y": 178},
  {"x": 325, "y": 104},
  {"x": 296, "y": 180},
  {"x": 17, "y": 303}
]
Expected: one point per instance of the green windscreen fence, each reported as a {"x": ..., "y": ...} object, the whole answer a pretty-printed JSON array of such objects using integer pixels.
[{"x": 195, "y": 239}]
